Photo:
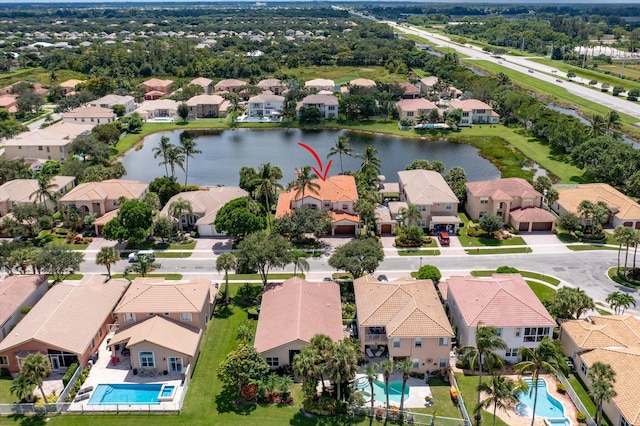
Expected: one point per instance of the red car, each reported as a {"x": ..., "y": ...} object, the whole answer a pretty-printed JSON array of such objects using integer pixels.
[{"x": 443, "y": 237}]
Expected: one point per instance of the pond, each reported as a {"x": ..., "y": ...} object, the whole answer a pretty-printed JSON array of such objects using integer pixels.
[{"x": 225, "y": 152}]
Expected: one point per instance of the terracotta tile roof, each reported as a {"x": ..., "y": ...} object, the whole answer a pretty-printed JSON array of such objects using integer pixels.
[
  {"x": 409, "y": 88},
  {"x": 69, "y": 315},
  {"x": 469, "y": 104},
  {"x": 71, "y": 84},
  {"x": 335, "y": 189},
  {"x": 419, "y": 104},
  {"x": 206, "y": 202},
  {"x": 532, "y": 214},
  {"x": 111, "y": 189},
  {"x": 284, "y": 204},
  {"x": 157, "y": 104},
  {"x": 603, "y": 331},
  {"x": 160, "y": 331},
  {"x": 622, "y": 206},
  {"x": 425, "y": 187},
  {"x": 406, "y": 307},
  {"x": 429, "y": 81},
  {"x": 205, "y": 100},
  {"x": 297, "y": 310},
  {"x": 157, "y": 295},
  {"x": 266, "y": 97},
  {"x": 319, "y": 99},
  {"x": 156, "y": 82},
  {"x": 504, "y": 300},
  {"x": 20, "y": 190},
  {"x": 626, "y": 363},
  {"x": 112, "y": 100},
  {"x": 362, "y": 82},
  {"x": 340, "y": 216},
  {"x": 15, "y": 290},
  {"x": 499, "y": 188},
  {"x": 89, "y": 112},
  {"x": 60, "y": 133},
  {"x": 102, "y": 220},
  {"x": 230, "y": 82},
  {"x": 269, "y": 82},
  {"x": 201, "y": 81},
  {"x": 320, "y": 82}
]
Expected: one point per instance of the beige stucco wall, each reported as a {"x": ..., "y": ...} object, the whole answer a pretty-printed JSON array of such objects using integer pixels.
[
  {"x": 428, "y": 355},
  {"x": 198, "y": 319},
  {"x": 282, "y": 352},
  {"x": 160, "y": 354},
  {"x": 55, "y": 152}
]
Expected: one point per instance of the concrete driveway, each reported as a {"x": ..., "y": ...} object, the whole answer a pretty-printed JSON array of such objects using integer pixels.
[{"x": 544, "y": 242}]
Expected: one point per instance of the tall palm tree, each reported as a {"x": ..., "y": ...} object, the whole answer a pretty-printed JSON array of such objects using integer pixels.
[
  {"x": 487, "y": 340},
  {"x": 175, "y": 157},
  {"x": 266, "y": 184},
  {"x": 343, "y": 365},
  {"x": 501, "y": 393},
  {"x": 546, "y": 358},
  {"x": 306, "y": 365},
  {"x": 22, "y": 388},
  {"x": 597, "y": 125},
  {"x": 371, "y": 370},
  {"x": 305, "y": 181},
  {"x": 34, "y": 369},
  {"x": 188, "y": 146},
  {"x": 341, "y": 148},
  {"x": 387, "y": 369},
  {"x": 612, "y": 121},
  {"x": 324, "y": 347},
  {"x": 620, "y": 302},
  {"x": 235, "y": 108},
  {"x": 45, "y": 191},
  {"x": 225, "y": 262},
  {"x": 178, "y": 207},
  {"x": 411, "y": 214},
  {"x": 299, "y": 261},
  {"x": 107, "y": 256},
  {"x": 370, "y": 159},
  {"x": 602, "y": 378},
  {"x": 162, "y": 150},
  {"x": 405, "y": 366},
  {"x": 625, "y": 235}
]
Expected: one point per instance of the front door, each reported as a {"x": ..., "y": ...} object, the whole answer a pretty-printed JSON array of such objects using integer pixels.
[
  {"x": 175, "y": 364},
  {"x": 55, "y": 362}
]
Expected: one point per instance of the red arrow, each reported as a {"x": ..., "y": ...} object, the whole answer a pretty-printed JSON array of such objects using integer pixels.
[{"x": 320, "y": 174}]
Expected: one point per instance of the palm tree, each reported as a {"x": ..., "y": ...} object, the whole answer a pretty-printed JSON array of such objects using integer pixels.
[
  {"x": 178, "y": 207},
  {"x": 235, "y": 108},
  {"x": 585, "y": 209},
  {"x": 306, "y": 365},
  {"x": 22, "y": 388},
  {"x": 387, "y": 369},
  {"x": 487, "y": 340},
  {"x": 107, "y": 256},
  {"x": 45, "y": 190},
  {"x": 343, "y": 365},
  {"x": 299, "y": 261},
  {"x": 143, "y": 265},
  {"x": 34, "y": 369},
  {"x": 188, "y": 146},
  {"x": 371, "y": 370},
  {"x": 623, "y": 235},
  {"x": 370, "y": 159},
  {"x": 612, "y": 121},
  {"x": 597, "y": 125},
  {"x": 305, "y": 181},
  {"x": 225, "y": 262},
  {"x": 602, "y": 378},
  {"x": 501, "y": 393},
  {"x": 322, "y": 345},
  {"x": 162, "y": 150},
  {"x": 341, "y": 148},
  {"x": 266, "y": 184},
  {"x": 636, "y": 241},
  {"x": 175, "y": 157},
  {"x": 411, "y": 214},
  {"x": 405, "y": 366},
  {"x": 620, "y": 302},
  {"x": 546, "y": 358}
]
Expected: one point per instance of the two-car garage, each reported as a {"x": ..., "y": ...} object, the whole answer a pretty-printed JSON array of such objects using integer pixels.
[{"x": 532, "y": 219}]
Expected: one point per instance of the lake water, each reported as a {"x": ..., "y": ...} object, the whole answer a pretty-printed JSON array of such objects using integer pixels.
[{"x": 225, "y": 152}]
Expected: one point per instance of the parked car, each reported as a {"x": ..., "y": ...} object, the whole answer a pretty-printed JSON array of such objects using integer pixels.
[
  {"x": 443, "y": 238},
  {"x": 327, "y": 279},
  {"x": 530, "y": 71},
  {"x": 151, "y": 255},
  {"x": 383, "y": 278},
  {"x": 558, "y": 80}
]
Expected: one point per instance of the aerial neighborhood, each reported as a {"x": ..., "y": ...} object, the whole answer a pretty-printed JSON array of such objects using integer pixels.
[{"x": 324, "y": 217}]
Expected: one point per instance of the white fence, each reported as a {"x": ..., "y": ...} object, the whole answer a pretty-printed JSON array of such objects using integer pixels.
[
  {"x": 13, "y": 409},
  {"x": 576, "y": 400},
  {"x": 463, "y": 409},
  {"x": 409, "y": 417},
  {"x": 67, "y": 389}
]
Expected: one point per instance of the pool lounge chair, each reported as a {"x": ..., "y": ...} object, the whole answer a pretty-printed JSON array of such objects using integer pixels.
[
  {"x": 152, "y": 372},
  {"x": 82, "y": 397},
  {"x": 85, "y": 390},
  {"x": 142, "y": 372},
  {"x": 369, "y": 352},
  {"x": 380, "y": 351}
]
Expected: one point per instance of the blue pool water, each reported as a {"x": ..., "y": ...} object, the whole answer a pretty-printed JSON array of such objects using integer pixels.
[
  {"x": 129, "y": 394},
  {"x": 167, "y": 391},
  {"x": 395, "y": 391},
  {"x": 547, "y": 405}
]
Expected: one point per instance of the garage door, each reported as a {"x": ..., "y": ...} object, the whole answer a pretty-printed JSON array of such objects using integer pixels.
[
  {"x": 345, "y": 229},
  {"x": 386, "y": 229},
  {"x": 524, "y": 227},
  {"x": 206, "y": 230},
  {"x": 542, "y": 226}
]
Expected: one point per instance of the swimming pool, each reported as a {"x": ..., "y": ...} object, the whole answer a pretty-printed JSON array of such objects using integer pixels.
[
  {"x": 547, "y": 405},
  {"x": 395, "y": 390},
  {"x": 126, "y": 394}
]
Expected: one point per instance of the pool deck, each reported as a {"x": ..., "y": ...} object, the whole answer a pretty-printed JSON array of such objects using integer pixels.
[{"x": 418, "y": 389}]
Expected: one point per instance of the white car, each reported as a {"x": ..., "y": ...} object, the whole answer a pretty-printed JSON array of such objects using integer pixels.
[{"x": 150, "y": 254}]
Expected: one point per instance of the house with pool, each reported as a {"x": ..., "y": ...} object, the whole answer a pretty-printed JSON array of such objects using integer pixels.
[
  {"x": 504, "y": 301},
  {"x": 612, "y": 340},
  {"x": 403, "y": 319}
]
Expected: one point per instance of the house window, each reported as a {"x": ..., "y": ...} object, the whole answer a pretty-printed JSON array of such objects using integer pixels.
[
  {"x": 129, "y": 317},
  {"x": 624, "y": 422},
  {"x": 499, "y": 332},
  {"x": 511, "y": 352},
  {"x": 443, "y": 341},
  {"x": 39, "y": 147},
  {"x": 327, "y": 204},
  {"x": 273, "y": 361},
  {"x": 448, "y": 206},
  {"x": 535, "y": 334},
  {"x": 4, "y": 360},
  {"x": 423, "y": 208},
  {"x": 100, "y": 332},
  {"x": 484, "y": 200},
  {"x": 465, "y": 114},
  {"x": 186, "y": 317},
  {"x": 332, "y": 108},
  {"x": 422, "y": 223},
  {"x": 147, "y": 360},
  {"x": 482, "y": 213},
  {"x": 92, "y": 344},
  {"x": 396, "y": 342},
  {"x": 166, "y": 314},
  {"x": 345, "y": 207},
  {"x": 417, "y": 342},
  {"x": 518, "y": 331},
  {"x": 409, "y": 113},
  {"x": 416, "y": 363},
  {"x": 583, "y": 368},
  {"x": 150, "y": 314},
  {"x": 443, "y": 362}
]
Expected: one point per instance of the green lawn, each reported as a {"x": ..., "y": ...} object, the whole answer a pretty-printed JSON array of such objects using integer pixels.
[
  {"x": 584, "y": 247},
  {"x": 189, "y": 246},
  {"x": 468, "y": 385},
  {"x": 419, "y": 252},
  {"x": 526, "y": 274},
  {"x": 173, "y": 254},
  {"x": 505, "y": 250},
  {"x": 442, "y": 403},
  {"x": 166, "y": 276},
  {"x": 467, "y": 241},
  {"x": 583, "y": 394},
  {"x": 543, "y": 292},
  {"x": 5, "y": 396},
  {"x": 254, "y": 277}
]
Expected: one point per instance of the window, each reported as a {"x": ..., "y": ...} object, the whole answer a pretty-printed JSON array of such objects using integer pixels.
[
  {"x": 482, "y": 213},
  {"x": 415, "y": 363},
  {"x": 518, "y": 331},
  {"x": 273, "y": 361},
  {"x": 423, "y": 208},
  {"x": 535, "y": 334},
  {"x": 150, "y": 314},
  {"x": 39, "y": 147},
  {"x": 443, "y": 362},
  {"x": 48, "y": 149},
  {"x": 484, "y": 200},
  {"x": 4, "y": 360},
  {"x": 129, "y": 317},
  {"x": 443, "y": 341},
  {"x": 448, "y": 206},
  {"x": 345, "y": 207},
  {"x": 623, "y": 422},
  {"x": 327, "y": 204},
  {"x": 186, "y": 317},
  {"x": 332, "y": 108},
  {"x": 465, "y": 114},
  {"x": 417, "y": 342},
  {"x": 422, "y": 223},
  {"x": 100, "y": 332},
  {"x": 511, "y": 352},
  {"x": 409, "y": 113},
  {"x": 583, "y": 368},
  {"x": 396, "y": 342},
  {"x": 166, "y": 314},
  {"x": 147, "y": 360},
  {"x": 499, "y": 332},
  {"x": 92, "y": 344}
]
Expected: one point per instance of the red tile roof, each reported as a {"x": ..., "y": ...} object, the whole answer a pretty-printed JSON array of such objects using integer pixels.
[
  {"x": 335, "y": 189},
  {"x": 416, "y": 104},
  {"x": 498, "y": 188},
  {"x": 15, "y": 290},
  {"x": 532, "y": 214}
]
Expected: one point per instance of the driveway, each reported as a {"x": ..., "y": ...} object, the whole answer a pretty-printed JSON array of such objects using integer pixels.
[{"x": 544, "y": 242}]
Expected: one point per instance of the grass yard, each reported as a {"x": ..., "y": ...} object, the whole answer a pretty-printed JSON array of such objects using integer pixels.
[
  {"x": 526, "y": 274},
  {"x": 583, "y": 394},
  {"x": 543, "y": 292},
  {"x": 442, "y": 400},
  {"x": 504, "y": 250},
  {"x": 40, "y": 75},
  {"x": 468, "y": 385},
  {"x": 172, "y": 254},
  {"x": 631, "y": 70},
  {"x": 419, "y": 252},
  {"x": 467, "y": 241},
  {"x": 584, "y": 247},
  {"x": 5, "y": 395},
  {"x": 166, "y": 276},
  {"x": 256, "y": 277}
]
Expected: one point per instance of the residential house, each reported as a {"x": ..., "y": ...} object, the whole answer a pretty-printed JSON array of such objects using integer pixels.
[
  {"x": 9, "y": 102},
  {"x": 336, "y": 194},
  {"x": 109, "y": 101},
  {"x": 18, "y": 292},
  {"x": 272, "y": 85},
  {"x": 50, "y": 143},
  {"x": 514, "y": 200},
  {"x": 410, "y": 91},
  {"x": 612, "y": 340},
  {"x": 504, "y": 301},
  {"x": 37, "y": 88},
  {"x": 230, "y": 85},
  {"x": 205, "y": 106},
  {"x": 361, "y": 85},
  {"x": 162, "y": 322},
  {"x": 412, "y": 109},
  {"x": 429, "y": 191},
  {"x": 22, "y": 191},
  {"x": 205, "y": 83},
  {"x": 428, "y": 84},
  {"x": 90, "y": 114},
  {"x": 474, "y": 111},
  {"x": 319, "y": 85},
  {"x": 102, "y": 197},
  {"x": 326, "y": 104},
  {"x": 291, "y": 313},
  {"x": 69, "y": 87},
  {"x": 623, "y": 210},
  {"x": 205, "y": 204},
  {"x": 266, "y": 105},
  {"x": 66, "y": 325},
  {"x": 156, "y": 88},
  {"x": 405, "y": 319},
  {"x": 166, "y": 108}
]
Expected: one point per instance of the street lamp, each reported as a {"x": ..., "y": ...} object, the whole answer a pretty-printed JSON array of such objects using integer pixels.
[{"x": 421, "y": 261}]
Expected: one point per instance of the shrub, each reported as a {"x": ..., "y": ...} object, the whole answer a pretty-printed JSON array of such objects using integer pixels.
[
  {"x": 561, "y": 388},
  {"x": 617, "y": 90},
  {"x": 25, "y": 310},
  {"x": 581, "y": 417},
  {"x": 593, "y": 82},
  {"x": 507, "y": 270},
  {"x": 491, "y": 223},
  {"x": 348, "y": 311},
  {"x": 5, "y": 373},
  {"x": 70, "y": 372},
  {"x": 429, "y": 272}
]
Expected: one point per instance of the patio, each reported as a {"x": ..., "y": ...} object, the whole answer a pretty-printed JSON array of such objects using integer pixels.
[{"x": 418, "y": 389}]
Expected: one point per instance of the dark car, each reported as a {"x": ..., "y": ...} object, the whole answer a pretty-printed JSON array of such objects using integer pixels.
[
  {"x": 443, "y": 238},
  {"x": 383, "y": 278},
  {"x": 327, "y": 279}
]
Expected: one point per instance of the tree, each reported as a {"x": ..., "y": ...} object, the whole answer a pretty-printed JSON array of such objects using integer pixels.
[
  {"x": 178, "y": 207},
  {"x": 131, "y": 224},
  {"x": 262, "y": 251},
  {"x": 370, "y": 159},
  {"x": 456, "y": 178},
  {"x": 571, "y": 74},
  {"x": 22, "y": 388},
  {"x": 358, "y": 256},
  {"x": 119, "y": 110},
  {"x": 482, "y": 354},
  {"x": 597, "y": 125},
  {"x": 625, "y": 236},
  {"x": 266, "y": 185},
  {"x": 299, "y": 261},
  {"x": 107, "y": 256},
  {"x": 34, "y": 369},
  {"x": 305, "y": 181},
  {"x": 183, "y": 111},
  {"x": 568, "y": 221},
  {"x": 602, "y": 378},
  {"x": 225, "y": 262},
  {"x": 341, "y": 148},
  {"x": 175, "y": 157},
  {"x": 543, "y": 185},
  {"x": 242, "y": 366},
  {"x": 405, "y": 366},
  {"x": 240, "y": 217},
  {"x": 189, "y": 149},
  {"x": 165, "y": 187},
  {"x": 570, "y": 302},
  {"x": 305, "y": 365},
  {"x": 301, "y": 221},
  {"x": 548, "y": 358},
  {"x": 162, "y": 150},
  {"x": 90, "y": 149},
  {"x": 371, "y": 371},
  {"x": 58, "y": 260},
  {"x": 491, "y": 223},
  {"x": 162, "y": 227},
  {"x": 429, "y": 272},
  {"x": 309, "y": 115},
  {"x": 387, "y": 369},
  {"x": 343, "y": 365},
  {"x": 411, "y": 215},
  {"x": 501, "y": 393},
  {"x": 620, "y": 302},
  {"x": 45, "y": 191},
  {"x": 108, "y": 133},
  {"x": 612, "y": 121}
]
